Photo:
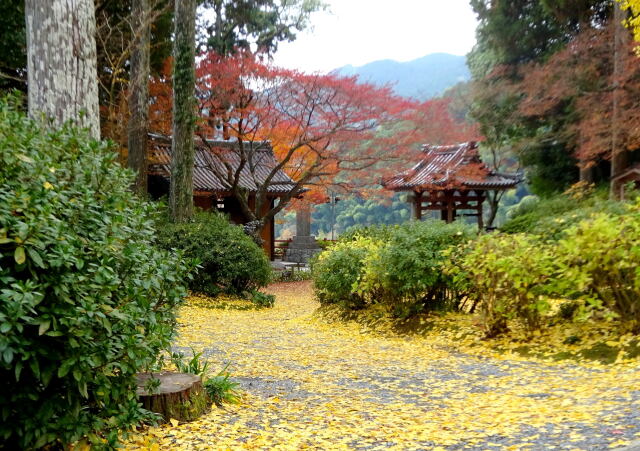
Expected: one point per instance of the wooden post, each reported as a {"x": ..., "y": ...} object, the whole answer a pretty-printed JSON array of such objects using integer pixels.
[
  {"x": 480, "y": 218},
  {"x": 272, "y": 234},
  {"x": 450, "y": 209},
  {"x": 417, "y": 206}
]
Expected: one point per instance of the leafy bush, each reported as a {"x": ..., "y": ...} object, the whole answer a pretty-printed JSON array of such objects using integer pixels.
[
  {"x": 324, "y": 244},
  {"x": 549, "y": 218},
  {"x": 86, "y": 300},
  {"x": 194, "y": 365},
  {"x": 292, "y": 275},
  {"x": 338, "y": 271},
  {"x": 263, "y": 300},
  {"x": 600, "y": 260},
  {"x": 400, "y": 266},
  {"x": 221, "y": 389},
  {"x": 512, "y": 275},
  {"x": 374, "y": 232},
  {"x": 408, "y": 267},
  {"x": 231, "y": 262}
]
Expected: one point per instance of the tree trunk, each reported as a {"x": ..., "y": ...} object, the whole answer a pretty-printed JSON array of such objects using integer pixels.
[
  {"x": 181, "y": 190},
  {"x": 61, "y": 62},
  {"x": 139, "y": 94},
  {"x": 619, "y": 154},
  {"x": 493, "y": 199},
  {"x": 179, "y": 396},
  {"x": 587, "y": 174}
]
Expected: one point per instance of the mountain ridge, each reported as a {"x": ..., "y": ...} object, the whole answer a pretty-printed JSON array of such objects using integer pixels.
[{"x": 422, "y": 78}]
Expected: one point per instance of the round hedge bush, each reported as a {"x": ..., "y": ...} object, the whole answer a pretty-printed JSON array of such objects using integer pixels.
[
  {"x": 338, "y": 272},
  {"x": 230, "y": 261},
  {"x": 86, "y": 300}
]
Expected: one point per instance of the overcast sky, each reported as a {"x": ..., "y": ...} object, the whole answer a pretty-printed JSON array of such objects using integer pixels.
[{"x": 360, "y": 31}]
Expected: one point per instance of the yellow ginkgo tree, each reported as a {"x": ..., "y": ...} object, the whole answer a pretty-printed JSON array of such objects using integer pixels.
[{"x": 634, "y": 21}]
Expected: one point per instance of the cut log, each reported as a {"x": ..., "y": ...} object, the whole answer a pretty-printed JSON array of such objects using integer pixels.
[{"x": 179, "y": 396}]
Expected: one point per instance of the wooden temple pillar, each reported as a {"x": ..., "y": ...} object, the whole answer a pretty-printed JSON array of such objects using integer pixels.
[
  {"x": 480, "y": 214},
  {"x": 417, "y": 206},
  {"x": 451, "y": 206}
]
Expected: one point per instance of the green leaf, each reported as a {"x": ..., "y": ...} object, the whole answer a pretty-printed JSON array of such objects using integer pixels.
[
  {"x": 24, "y": 158},
  {"x": 55, "y": 333},
  {"x": 35, "y": 256},
  {"x": 63, "y": 370},
  {"x": 19, "y": 255},
  {"x": 7, "y": 355},
  {"x": 44, "y": 326}
]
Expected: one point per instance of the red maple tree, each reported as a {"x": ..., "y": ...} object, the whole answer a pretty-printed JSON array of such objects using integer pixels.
[{"x": 327, "y": 131}]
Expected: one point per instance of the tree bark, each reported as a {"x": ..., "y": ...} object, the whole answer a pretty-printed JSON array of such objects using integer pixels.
[
  {"x": 139, "y": 94},
  {"x": 181, "y": 190},
  {"x": 493, "y": 198},
  {"x": 587, "y": 174},
  {"x": 619, "y": 154},
  {"x": 61, "y": 62}
]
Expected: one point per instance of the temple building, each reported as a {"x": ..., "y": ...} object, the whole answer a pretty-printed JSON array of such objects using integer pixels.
[
  {"x": 213, "y": 161},
  {"x": 451, "y": 180}
]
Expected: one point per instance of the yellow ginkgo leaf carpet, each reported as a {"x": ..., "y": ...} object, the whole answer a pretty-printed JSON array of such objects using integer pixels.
[{"x": 308, "y": 384}]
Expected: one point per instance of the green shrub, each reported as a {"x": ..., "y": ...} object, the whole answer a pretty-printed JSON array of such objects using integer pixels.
[
  {"x": 291, "y": 275},
  {"x": 374, "y": 232},
  {"x": 263, "y": 300},
  {"x": 550, "y": 218},
  {"x": 338, "y": 271},
  {"x": 512, "y": 275},
  {"x": 324, "y": 244},
  {"x": 600, "y": 260},
  {"x": 193, "y": 365},
  {"x": 401, "y": 266},
  {"x": 221, "y": 388},
  {"x": 86, "y": 300},
  {"x": 230, "y": 261},
  {"x": 408, "y": 269}
]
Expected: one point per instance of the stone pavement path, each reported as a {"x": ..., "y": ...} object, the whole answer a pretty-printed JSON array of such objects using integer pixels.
[{"x": 312, "y": 385}]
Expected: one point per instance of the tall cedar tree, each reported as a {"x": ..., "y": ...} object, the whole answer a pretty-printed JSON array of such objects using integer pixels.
[
  {"x": 260, "y": 24},
  {"x": 139, "y": 94},
  {"x": 61, "y": 60},
  {"x": 184, "y": 104}
]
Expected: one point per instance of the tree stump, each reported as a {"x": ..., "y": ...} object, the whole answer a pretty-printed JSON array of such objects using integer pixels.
[{"x": 180, "y": 396}]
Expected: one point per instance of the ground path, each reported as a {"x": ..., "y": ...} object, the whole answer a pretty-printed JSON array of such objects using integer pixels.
[{"x": 311, "y": 385}]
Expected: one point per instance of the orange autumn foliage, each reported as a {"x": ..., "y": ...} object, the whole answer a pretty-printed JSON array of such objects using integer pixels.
[
  {"x": 327, "y": 131},
  {"x": 580, "y": 79}
]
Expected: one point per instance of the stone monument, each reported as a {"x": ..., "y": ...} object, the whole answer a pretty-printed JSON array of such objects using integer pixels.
[{"x": 304, "y": 245}]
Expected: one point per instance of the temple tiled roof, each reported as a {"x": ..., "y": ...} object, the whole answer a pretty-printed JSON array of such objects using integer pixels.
[
  {"x": 209, "y": 159},
  {"x": 451, "y": 167}
]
